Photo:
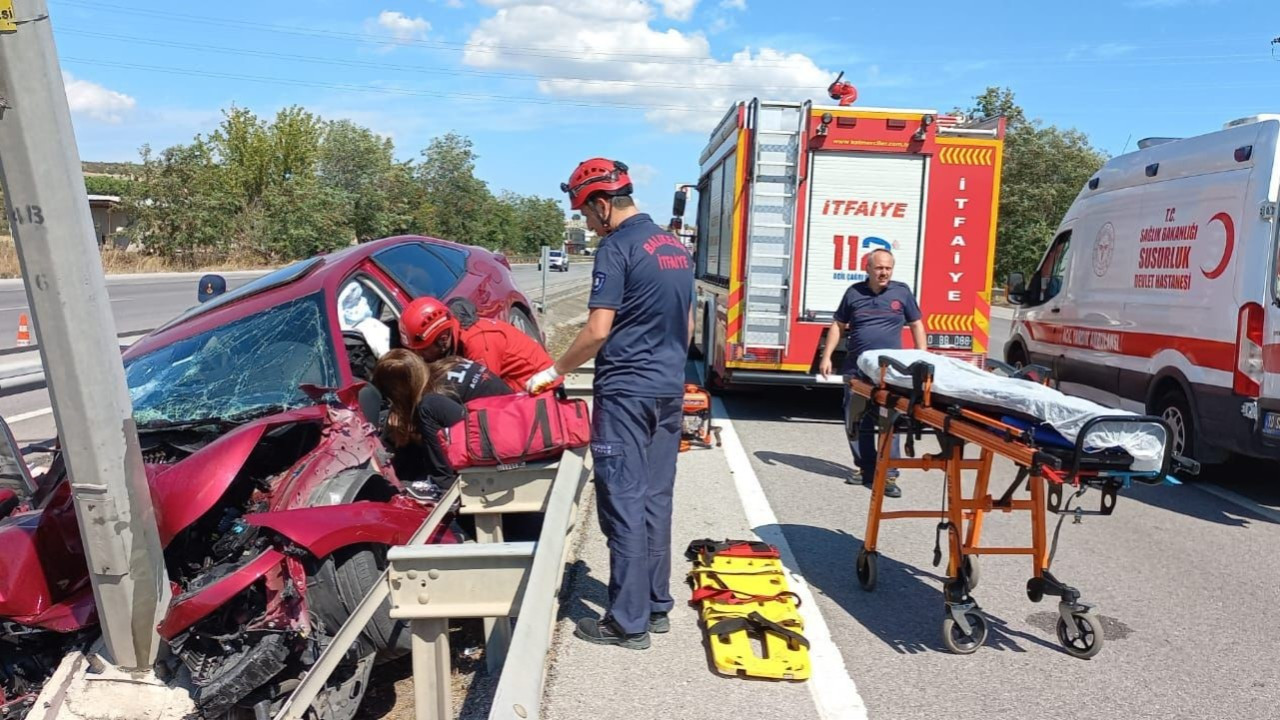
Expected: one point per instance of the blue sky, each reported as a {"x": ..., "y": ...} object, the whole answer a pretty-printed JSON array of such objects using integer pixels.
[{"x": 541, "y": 84}]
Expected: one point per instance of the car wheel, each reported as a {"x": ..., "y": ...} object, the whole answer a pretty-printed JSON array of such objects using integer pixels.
[
  {"x": 1016, "y": 356},
  {"x": 336, "y": 587},
  {"x": 1173, "y": 408},
  {"x": 524, "y": 323}
]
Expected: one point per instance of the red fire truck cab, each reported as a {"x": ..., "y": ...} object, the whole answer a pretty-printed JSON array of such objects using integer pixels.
[{"x": 791, "y": 199}]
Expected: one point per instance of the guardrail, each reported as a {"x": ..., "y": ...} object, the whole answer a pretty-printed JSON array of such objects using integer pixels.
[{"x": 429, "y": 585}]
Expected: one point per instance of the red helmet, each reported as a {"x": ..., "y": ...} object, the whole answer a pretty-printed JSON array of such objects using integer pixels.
[
  {"x": 423, "y": 322},
  {"x": 597, "y": 175}
]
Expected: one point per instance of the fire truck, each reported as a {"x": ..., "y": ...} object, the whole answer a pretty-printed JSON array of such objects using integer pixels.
[{"x": 793, "y": 197}]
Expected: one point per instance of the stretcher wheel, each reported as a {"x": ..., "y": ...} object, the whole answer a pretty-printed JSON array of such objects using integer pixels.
[
  {"x": 1035, "y": 590},
  {"x": 1089, "y": 641},
  {"x": 867, "y": 570},
  {"x": 972, "y": 571},
  {"x": 957, "y": 641}
]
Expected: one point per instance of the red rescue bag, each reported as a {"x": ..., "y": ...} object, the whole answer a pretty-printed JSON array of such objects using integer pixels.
[{"x": 512, "y": 429}]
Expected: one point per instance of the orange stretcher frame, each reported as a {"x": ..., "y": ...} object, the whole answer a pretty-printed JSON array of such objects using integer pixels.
[{"x": 964, "y": 627}]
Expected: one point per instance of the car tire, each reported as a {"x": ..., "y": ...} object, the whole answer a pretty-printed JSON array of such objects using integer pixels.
[
  {"x": 1173, "y": 408},
  {"x": 335, "y": 588},
  {"x": 1016, "y": 356},
  {"x": 524, "y": 323}
]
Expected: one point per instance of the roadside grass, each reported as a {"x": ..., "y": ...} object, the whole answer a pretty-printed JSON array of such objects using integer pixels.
[{"x": 115, "y": 262}]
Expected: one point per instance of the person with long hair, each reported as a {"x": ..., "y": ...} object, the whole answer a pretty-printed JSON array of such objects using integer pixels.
[{"x": 420, "y": 408}]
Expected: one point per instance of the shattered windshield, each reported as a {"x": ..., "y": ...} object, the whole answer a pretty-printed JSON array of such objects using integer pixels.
[{"x": 252, "y": 365}]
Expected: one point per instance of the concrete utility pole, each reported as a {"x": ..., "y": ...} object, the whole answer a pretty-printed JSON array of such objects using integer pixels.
[{"x": 49, "y": 217}]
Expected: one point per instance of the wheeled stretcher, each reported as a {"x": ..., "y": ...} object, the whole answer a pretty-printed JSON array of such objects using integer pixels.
[{"x": 1059, "y": 443}]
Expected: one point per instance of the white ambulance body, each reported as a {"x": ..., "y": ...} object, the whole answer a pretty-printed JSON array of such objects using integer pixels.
[{"x": 1160, "y": 290}]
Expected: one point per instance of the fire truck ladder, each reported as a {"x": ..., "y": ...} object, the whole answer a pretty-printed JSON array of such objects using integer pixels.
[{"x": 778, "y": 131}]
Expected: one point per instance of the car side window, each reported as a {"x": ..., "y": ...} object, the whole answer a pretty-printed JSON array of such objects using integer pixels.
[
  {"x": 421, "y": 272},
  {"x": 453, "y": 257},
  {"x": 1048, "y": 280}
]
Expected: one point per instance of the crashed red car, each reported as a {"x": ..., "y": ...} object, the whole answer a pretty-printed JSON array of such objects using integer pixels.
[{"x": 273, "y": 492}]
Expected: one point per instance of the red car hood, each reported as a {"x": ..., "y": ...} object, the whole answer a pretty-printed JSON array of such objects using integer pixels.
[{"x": 43, "y": 563}]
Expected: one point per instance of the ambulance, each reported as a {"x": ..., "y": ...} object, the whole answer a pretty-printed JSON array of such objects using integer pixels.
[{"x": 1160, "y": 291}]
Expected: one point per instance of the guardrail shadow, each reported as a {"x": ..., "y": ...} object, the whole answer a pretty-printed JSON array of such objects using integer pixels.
[
  {"x": 904, "y": 611},
  {"x": 582, "y": 594}
]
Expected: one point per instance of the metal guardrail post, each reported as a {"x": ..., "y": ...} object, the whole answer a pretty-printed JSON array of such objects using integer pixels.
[
  {"x": 519, "y": 693},
  {"x": 488, "y": 494},
  {"x": 305, "y": 694},
  {"x": 432, "y": 584}
]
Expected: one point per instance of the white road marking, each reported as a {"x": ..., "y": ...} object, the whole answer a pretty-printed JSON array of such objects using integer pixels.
[
  {"x": 29, "y": 415},
  {"x": 1236, "y": 498},
  {"x": 834, "y": 692}
]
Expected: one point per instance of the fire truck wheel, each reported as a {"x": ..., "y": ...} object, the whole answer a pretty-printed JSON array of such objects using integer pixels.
[
  {"x": 1089, "y": 638},
  {"x": 955, "y": 638},
  {"x": 867, "y": 570}
]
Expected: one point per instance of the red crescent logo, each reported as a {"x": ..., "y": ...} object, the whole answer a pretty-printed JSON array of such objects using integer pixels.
[{"x": 1230, "y": 227}]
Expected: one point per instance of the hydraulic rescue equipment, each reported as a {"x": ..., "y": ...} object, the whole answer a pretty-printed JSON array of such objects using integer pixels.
[
  {"x": 1048, "y": 466},
  {"x": 745, "y": 604}
]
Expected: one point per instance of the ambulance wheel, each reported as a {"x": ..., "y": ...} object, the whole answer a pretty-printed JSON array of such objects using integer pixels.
[
  {"x": 1016, "y": 356},
  {"x": 1173, "y": 408},
  {"x": 1088, "y": 641},
  {"x": 867, "y": 570},
  {"x": 972, "y": 571},
  {"x": 954, "y": 637}
]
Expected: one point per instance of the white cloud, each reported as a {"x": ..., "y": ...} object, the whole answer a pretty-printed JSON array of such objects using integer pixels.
[
  {"x": 642, "y": 174},
  {"x": 453, "y": 3},
  {"x": 1103, "y": 51},
  {"x": 678, "y": 9},
  {"x": 401, "y": 27},
  {"x": 96, "y": 101},
  {"x": 607, "y": 51},
  {"x": 734, "y": 4}
]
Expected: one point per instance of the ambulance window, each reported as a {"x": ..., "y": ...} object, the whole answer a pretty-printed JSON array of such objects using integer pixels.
[{"x": 1048, "y": 280}]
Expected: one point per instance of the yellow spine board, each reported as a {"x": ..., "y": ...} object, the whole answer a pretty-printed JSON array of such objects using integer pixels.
[{"x": 757, "y": 607}]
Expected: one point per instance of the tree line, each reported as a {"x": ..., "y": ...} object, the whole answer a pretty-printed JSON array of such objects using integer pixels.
[{"x": 298, "y": 185}]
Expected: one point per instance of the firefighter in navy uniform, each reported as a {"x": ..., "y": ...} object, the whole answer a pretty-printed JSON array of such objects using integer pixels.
[{"x": 638, "y": 329}]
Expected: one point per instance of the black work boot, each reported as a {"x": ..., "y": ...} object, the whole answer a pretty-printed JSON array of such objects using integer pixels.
[
  {"x": 659, "y": 623},
  {"x": 606, "y": 632}
]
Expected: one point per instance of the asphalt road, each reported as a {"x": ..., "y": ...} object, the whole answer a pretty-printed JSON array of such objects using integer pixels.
[
  {"x": 145, "y": 303},
  {"x": 1180, "y": 575}
]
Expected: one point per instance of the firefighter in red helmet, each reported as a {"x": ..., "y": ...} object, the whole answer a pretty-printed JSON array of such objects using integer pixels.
[
  {"x": 638, "y": 329},
  {"x": 431, "y": 329}
]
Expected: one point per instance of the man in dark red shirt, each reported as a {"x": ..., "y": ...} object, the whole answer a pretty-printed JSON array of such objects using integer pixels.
[{"x": 430, "y": 329}]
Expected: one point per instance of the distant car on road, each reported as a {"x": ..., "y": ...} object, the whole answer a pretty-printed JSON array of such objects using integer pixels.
[{"x": 556, "y": 260}]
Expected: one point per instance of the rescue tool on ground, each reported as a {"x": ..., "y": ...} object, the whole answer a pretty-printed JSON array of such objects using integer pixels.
[
  {"x": 792, "y": 196},
  {"x": 1070, "y": 447}
]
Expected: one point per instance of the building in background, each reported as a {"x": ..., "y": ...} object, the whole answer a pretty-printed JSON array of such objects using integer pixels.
[
  {"x": 578, "y": 240},
  {"x": 110, "y": 221}
]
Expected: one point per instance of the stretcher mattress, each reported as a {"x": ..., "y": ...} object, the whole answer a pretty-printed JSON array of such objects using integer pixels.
[{"x": 960, "y": 381}]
